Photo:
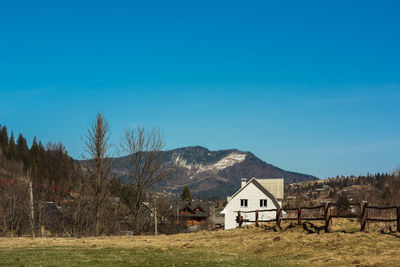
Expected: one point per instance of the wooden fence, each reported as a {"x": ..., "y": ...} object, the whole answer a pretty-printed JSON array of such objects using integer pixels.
[{"x": 327, "y": 216}]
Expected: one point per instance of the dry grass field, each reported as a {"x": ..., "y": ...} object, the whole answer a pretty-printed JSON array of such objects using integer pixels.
[{"x": 250, "y": 246}]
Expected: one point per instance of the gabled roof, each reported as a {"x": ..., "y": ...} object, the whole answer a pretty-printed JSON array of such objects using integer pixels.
[
  {"x": 204, "y": 208},
  {"x": 257, "y": 183},
  {"x": 274, "y": 185}
]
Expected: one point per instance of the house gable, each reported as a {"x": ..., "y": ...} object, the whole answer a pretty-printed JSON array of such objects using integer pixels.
[
  {"x": 261, "y": 188},
  {"x": 250, "y": 197}
]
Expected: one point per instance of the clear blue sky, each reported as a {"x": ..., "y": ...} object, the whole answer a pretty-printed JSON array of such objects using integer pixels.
[{"x": 308, "y": 86}]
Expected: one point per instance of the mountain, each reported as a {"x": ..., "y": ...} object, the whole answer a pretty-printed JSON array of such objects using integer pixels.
[{"x": 215, "y": 173}]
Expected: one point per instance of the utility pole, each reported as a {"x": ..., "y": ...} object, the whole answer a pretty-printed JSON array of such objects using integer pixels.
[
  {"x": 155, "y": 216},
  {"x": 213, "y": 211},
  {"x": 32, "y": 213}
]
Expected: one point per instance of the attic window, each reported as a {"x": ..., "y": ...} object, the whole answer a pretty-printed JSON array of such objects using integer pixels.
[
  {"x": 263, "y": 202},
  {"x": 243, "y": 203}
]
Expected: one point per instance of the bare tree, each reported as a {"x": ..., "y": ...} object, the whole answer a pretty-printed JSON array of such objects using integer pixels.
[
  {"x": 145, "y": 168},
  {"x": 77, "y": 211},
  {"x": 98, "y": 146},
  {"x": 13, "y": 197}
]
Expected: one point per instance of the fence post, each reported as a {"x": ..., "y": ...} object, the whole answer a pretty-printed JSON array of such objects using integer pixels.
[
  {"x": 257, "y": 218},
  {"x": 240, "y": 219},
  {"x": 363, "y": 215},
  {"x": 398, "y": 218},
  {"x": 278, "y": 217},
  {"x": 327, "y": 212},
  {"x": 299, "y": 216}
]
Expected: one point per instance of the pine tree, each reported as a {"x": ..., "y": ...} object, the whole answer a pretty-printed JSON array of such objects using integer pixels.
[
  {"x": 12, "y": 148},
  {"x": 34, "y": 153},
  {"x": 343, "y": 203},
  {"x": 186, "y": 196},
  {"x": 4, "y": 140},
  {"x": 23, "y": 151},
  {"x": 41, "y": 148},
  {"x": 1, "y": 146}
]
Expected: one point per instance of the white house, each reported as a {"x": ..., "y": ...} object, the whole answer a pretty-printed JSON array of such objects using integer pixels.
[{"x": 256, "y": 194}]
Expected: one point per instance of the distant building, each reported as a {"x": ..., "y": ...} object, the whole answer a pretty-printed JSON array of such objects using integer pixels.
[
  {"x": 192, "y": 212},
  {"x": 256, "y": 194}
]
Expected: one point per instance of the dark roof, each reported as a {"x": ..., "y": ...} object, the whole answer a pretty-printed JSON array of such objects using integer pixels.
[{"x": 204, "y": 208}]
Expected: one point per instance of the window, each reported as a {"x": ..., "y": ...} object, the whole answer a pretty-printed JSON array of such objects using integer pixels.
[
  {"x": 243, "y": 202},
  {"x": 263, "y": 202}
]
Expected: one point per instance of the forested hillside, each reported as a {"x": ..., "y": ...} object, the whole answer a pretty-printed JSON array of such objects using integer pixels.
[
  {"x": 48, "y": 165},
  {"x": 54, "y": 176},
  {"x": 214, "y": 174},
  {"x": 71, "y": 199}
]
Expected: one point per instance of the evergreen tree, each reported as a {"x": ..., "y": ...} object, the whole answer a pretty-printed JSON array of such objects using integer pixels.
[
  {"x": 1, "y": 146},
  {"x": 23, "y": 151},
  {"x": 34, "y": 153},
  {"x": 41, "y": 148},
  {"x": 12, "y": 148},
  {"x": 343, "y": 203},
  {"x": 4, "y": 140},
  {"x": 186, "y": 194}
]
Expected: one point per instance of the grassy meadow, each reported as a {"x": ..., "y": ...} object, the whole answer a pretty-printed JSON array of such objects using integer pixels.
[{"x": 296, "y": 246}]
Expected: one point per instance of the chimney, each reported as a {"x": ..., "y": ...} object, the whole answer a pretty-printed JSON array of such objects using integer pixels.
[{"x": 243, "y": 182}]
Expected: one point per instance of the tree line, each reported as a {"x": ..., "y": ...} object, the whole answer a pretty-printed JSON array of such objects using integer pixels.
[
  {"x": 83, "y": 198},
  {"x": 380, "y": 189}
]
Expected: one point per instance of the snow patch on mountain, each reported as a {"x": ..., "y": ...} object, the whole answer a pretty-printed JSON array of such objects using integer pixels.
[
  {"x": 183, "y": 163},
  {"x": 223, "y": 163},
  {"x": 227, "y": 161}
]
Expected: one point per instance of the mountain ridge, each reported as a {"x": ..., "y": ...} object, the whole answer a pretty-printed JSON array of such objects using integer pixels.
[{"x": 217, "y": 173}]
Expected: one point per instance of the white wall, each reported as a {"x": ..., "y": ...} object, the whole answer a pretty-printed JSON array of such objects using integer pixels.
[{"x": 253, "y": 196}]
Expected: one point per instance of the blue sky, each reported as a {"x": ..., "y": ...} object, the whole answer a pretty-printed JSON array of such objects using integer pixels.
[{"x": 307, "y": 86}]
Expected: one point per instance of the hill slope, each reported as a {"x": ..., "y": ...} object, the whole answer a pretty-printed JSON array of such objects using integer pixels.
[{"x": 215, "y": 173}]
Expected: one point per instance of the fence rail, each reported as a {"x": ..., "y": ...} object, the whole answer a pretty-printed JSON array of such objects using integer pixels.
[{"x": 327, "y": 217}]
